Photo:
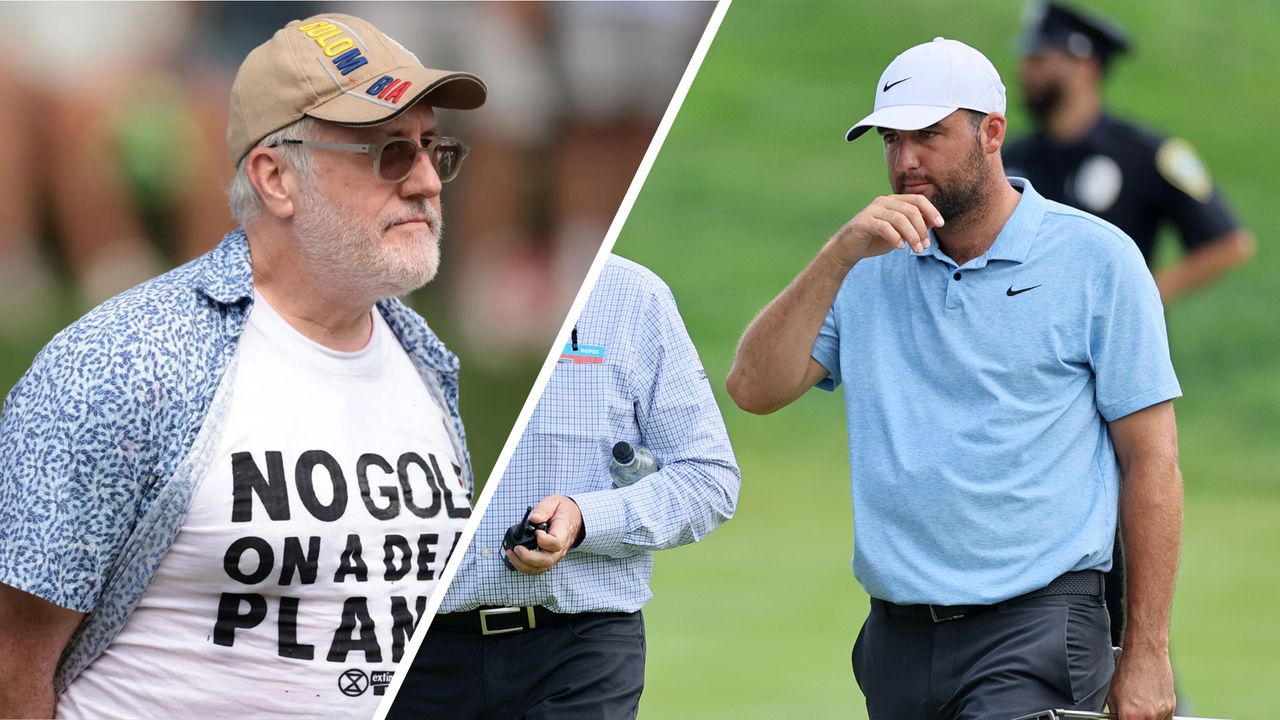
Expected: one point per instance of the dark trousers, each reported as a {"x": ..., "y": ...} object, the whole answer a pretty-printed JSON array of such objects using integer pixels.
[
  {"x": 1015, "y": 659},
  {"x": 588, "y": 668},
  {"x": 1115, "y": 592}
]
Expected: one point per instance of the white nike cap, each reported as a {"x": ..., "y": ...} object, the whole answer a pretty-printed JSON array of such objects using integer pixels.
[{"x": 929, "y": 82}]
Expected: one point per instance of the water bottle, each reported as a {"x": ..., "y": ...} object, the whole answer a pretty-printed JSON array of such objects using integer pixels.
[{"x": 630, "y": 463}]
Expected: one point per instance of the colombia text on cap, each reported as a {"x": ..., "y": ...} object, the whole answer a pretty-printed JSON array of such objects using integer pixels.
[{"x": 338, "y": 68}]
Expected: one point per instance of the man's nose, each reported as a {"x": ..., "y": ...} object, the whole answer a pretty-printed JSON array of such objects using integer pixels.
[
  {"x": 904, "y": 156},
  {"x": 423, "y": 180}
]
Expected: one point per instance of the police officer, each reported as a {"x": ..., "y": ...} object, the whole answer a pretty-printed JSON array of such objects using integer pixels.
[{"x": 1131, "y": 176}]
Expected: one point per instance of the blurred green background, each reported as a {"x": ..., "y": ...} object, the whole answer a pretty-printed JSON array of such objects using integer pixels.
[{"x": 759, "y": 619}]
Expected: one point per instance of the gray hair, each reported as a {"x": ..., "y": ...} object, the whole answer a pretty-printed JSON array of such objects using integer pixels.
[{"x": 243, "y": 197}]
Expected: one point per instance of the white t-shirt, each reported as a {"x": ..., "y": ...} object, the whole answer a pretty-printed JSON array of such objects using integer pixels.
[{"x": 310, "y": 547}]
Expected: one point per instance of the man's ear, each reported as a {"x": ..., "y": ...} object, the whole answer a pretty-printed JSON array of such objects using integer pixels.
[
  {"x": 274, "y": 181},
  {"x": 991, "y": 134}
]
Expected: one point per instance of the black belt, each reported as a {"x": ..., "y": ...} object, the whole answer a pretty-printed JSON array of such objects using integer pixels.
[
  {"x": 504, "y": 620},
  {"x": 1083, "y": 582}
]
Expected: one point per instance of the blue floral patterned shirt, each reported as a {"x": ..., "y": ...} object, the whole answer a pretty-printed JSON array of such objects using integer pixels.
[{"x": 104, "y": 438}]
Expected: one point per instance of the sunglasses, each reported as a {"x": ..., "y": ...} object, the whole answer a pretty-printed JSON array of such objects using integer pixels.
[{"x": 394, "y": 158}]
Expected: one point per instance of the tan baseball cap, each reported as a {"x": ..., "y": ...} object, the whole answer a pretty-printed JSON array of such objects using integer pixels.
[{"x": 338, "y": 68}]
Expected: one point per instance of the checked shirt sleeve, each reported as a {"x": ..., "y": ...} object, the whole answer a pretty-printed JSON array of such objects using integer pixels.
[{"x": 696, "y": 489}]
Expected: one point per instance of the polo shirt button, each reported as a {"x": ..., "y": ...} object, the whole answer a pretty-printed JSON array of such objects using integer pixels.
[{"x": 956, "y": 276}]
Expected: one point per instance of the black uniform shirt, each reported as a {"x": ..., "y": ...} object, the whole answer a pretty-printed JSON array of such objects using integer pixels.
[{"x": 1130, "y": 177}]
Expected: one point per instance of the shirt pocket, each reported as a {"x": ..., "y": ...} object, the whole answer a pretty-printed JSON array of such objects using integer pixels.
[
  {"x": 582, "y": 412},
  {"x": 575, "y": 403}
]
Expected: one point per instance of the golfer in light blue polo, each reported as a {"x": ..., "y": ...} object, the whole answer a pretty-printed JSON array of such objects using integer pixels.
[{"x": 1008, "y": 389}]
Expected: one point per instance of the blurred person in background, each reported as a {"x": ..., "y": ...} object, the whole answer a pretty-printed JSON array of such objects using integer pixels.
[
  {"x": 621, "y": 61},
  {"x": 26, "y": 284},
  {"x": 126, "y": 139},
  {"x": 1135, "y": 178},
  {"x": 198, "y": 478}
]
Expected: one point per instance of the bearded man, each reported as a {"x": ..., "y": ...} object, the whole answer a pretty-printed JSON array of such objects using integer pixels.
[
  {"x": 1007, "y": 388},
  {"x": 230, "y": 489}
]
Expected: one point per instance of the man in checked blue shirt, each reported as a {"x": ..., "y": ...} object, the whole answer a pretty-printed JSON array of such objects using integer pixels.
[
  {"x": 562, "y": 636},
  {"x": 1008, "y": 391}
]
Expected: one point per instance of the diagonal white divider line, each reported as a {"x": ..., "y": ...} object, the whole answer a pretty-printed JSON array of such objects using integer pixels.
[{"x": 504, "y": 458}]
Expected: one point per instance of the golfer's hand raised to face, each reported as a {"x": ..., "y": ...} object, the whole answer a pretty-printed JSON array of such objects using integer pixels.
[{"x": 889, "y": 222}]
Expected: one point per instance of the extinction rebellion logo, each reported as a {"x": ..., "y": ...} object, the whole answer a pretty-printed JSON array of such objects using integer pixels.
[{"x": 353, "y": 682}]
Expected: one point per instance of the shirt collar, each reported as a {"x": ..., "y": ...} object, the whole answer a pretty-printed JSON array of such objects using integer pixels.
[
  {"x": 416, "y": 336},
  {"x": 1016, "y": 237},
  {"x": 1019, "y": 232},
  {"x": 225, "y": 273}
]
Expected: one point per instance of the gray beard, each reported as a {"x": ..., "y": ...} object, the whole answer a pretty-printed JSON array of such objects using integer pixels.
[{"x": 351, "y": 256}]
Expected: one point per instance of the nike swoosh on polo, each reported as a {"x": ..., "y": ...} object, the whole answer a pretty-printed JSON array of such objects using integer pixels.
[
  {"x": 1011, "y": 292},
  {"x": 895, "y": 82}
]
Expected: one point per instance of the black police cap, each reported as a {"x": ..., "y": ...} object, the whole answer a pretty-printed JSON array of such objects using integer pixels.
[{"x": 1052, "y": 25}]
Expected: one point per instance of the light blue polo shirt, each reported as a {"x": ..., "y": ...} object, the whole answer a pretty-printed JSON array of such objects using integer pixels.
[{"x": 978, "y": 399}]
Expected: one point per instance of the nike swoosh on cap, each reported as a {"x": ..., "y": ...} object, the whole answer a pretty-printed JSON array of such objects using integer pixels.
[{"x": 895, "y": 82}]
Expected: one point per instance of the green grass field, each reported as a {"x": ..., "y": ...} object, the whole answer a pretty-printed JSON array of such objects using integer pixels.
[{"x": 758, "y": 620}]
